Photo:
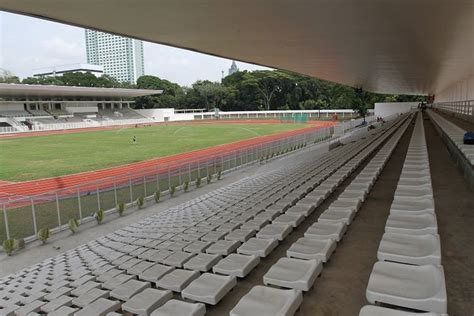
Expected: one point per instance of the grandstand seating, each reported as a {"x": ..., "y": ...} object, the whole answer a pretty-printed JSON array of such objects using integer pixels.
[
  {"x": 409, "y": 273},
  {"x": 136, "y": 268},
  {"x": 14, "y": 114},
  {"x": 455, "y": 134}
]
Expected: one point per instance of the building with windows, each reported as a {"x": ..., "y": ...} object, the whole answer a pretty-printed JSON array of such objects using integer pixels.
[
  {"x": 121, "y": 57},
  {"x": 96, "y": 70}
]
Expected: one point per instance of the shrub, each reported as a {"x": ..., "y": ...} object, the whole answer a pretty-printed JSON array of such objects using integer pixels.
[
  {"x": 19, "y": 243},
  {"x": 157, "y": 196},
  {"x": 186, "y": 186},
  {"x": 209, "y": 178},
  {"x": 140, "y": 202},
  {"x": 99, "y": 216},
  {"x": 43, "y": 234},
  {"x": 172, "y": 190},
  {"x": 73, "y": 225},
  {"x": 121, "y": 208},
  {"x": 219, "y": 175},
  {"x": 198, "y": 182},
  {"x": 9, "y": 246}
]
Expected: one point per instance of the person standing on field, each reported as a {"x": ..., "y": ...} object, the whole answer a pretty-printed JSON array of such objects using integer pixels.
[{"x": 134, "y": 140}]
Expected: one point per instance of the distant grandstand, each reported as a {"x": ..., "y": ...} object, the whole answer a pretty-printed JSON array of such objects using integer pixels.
[{"x": 37, "y": 107}]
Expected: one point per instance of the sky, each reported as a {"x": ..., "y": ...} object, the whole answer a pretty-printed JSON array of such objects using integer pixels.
[{"x": 28, "y": 43}]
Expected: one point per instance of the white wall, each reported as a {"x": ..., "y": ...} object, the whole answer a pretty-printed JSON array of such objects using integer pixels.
[
  {"x": 385, "y": 109},
  {"x": 7, "y": 106},
  {"x": 157, "y": 114},
  {"x": 81, "y": 109}
]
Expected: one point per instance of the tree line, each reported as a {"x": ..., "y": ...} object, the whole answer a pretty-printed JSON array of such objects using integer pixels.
[{"x": 241, "y": 91}]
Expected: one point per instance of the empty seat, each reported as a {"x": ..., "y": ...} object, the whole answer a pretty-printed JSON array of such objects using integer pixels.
[
  {"x": 241, "y": 234},
  {"x": 223, "y": 247},
  {"x": 417, "y": 287},
  {"x": 371, "y": 310},
  {"x": 410, "y": 249},
  {"x": 420, "y": 224},
  {"x": 236, "y": 265},
  {"x": 202, "y": 262},
  {"x": 209, "y": 288},
  {"x": 128, "y": 289},
  {"x": 147, "y": 301},
  {"x": 307, "y": 248},
  {"x": 177, "y": 280},
  {"x": 258, "y": 247},
  {"x": 326, "y": 231},
  {"x": 293, "y": 273},
  {"x": 177, "y": 307},
  {"x": 267, "y": 301},
  {"x": 155, "y": 272},
  {"x": 101, "y": 307},
  {"x": 290, "y": 219},
  {"x": 333, "y": 215},
  {"x": 275, "y": 231}
]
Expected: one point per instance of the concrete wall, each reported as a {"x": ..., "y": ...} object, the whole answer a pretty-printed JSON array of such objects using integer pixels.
[
  {"x": 157, "y": 114},
  {"x": 81, "y": 109},
  {"x": 385, "y": 109},
  {"x": 13, "y": 106}
]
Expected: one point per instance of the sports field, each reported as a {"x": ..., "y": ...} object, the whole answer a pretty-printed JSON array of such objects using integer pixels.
[{"x": 38, "y": 157}]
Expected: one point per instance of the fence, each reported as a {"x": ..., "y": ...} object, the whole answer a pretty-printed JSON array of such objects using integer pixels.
[
  {"x": 461, "y": 107},
  {"x": 23, "y": 217}
]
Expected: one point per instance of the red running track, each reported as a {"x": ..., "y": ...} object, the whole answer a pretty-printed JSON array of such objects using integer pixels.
[{"x": 36, "y": 187}]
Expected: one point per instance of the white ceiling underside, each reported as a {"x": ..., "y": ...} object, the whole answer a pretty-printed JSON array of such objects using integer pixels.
[{"x": 389, "y": 46}]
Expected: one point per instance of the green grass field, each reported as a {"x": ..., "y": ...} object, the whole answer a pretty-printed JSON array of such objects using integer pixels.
[{"x": 38, "y": 157}]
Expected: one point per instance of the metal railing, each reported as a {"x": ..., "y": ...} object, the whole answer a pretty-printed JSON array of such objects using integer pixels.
[
  {"x": 461, "y": 107},
  {"x": 22, "y": 217}
]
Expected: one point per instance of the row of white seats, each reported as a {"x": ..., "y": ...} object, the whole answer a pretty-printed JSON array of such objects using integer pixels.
[
  {"x": 455, "y": 133},
  {"x": 136, "y": 269},
  {"x": 297, "y": 272},
  {"x": 409, "y": 274}
]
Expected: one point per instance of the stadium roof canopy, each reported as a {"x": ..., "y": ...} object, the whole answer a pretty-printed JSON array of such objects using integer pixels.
[
  {"x": 403, "y": 46},
  {"x": 25, "y": 90}
]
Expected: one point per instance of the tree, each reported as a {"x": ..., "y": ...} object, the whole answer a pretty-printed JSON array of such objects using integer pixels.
[{"x": 7, "y": 76}]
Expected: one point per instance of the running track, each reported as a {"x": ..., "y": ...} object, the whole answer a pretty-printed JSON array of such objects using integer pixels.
[{"x": 31, "y": 188}]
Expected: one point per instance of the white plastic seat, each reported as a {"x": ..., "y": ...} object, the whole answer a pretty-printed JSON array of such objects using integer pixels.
[
  {"x": 258, "y": 247},
  {"x": 353, "y": 204},
  {"x": 337, "y": 215},
  {"x": 371, "y": 310},
  {"x": 241, "y": 235},
  {"x": 100, "y": 307},
  {"x": 293, "y": 273},
  {"x": 412, "y": 224},
  {"x": 223, "y": 247},
  {"x": 145, "y": 302},
  {"x": 177, "y": 280},
  {"x": 326, "y": 231},
  {"x": 267, "y": 301},
  {"x": 155, "y": 272},
  {"x": 410, "y": 249},
  {"x": 417, "y": 287},
  {"x": 236, "y": 265},
  {"x": 197, "y": 246},
  {"x": 290, "y": 219},
  {"x": 181, "y": 308},
  {"x": 128, "y": 289},
  {"x": 417, "y": 206},
  {"x": 202, "y": 262},
  {"x": 300, "y": 209},
  {"x": 209, "y": 288},
  {"x": 178, "y": 259},
  {"x": 307, "y": 248},
  {"x": 274, "y": 231}
]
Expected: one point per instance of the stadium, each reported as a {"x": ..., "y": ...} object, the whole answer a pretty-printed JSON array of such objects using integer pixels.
[{"x": 108, "y": 207}]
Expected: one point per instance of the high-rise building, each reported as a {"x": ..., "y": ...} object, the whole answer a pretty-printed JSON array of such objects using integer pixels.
[
  {"x": 233, "y": 68},
  {"x": 121, "y": 57}
]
